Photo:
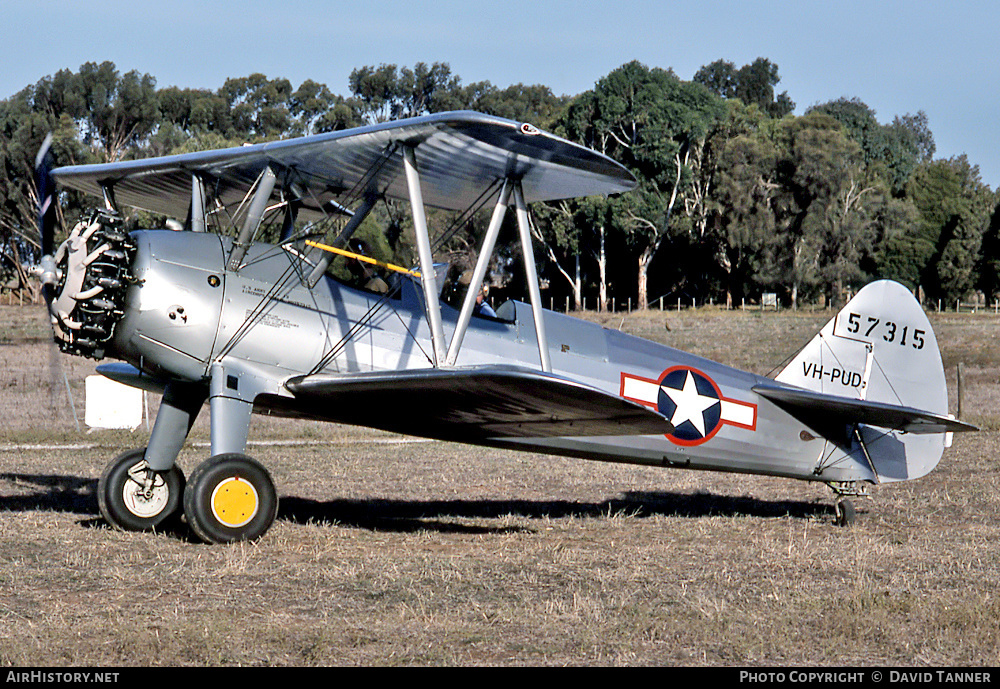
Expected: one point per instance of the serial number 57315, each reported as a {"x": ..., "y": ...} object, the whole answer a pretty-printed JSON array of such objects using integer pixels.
[{"x": 872, "y": 327}]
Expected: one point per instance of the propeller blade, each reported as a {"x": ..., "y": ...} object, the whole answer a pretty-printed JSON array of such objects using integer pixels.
[
  {"x": 46, "y": 196},
  {"x": 46, "y": 217}
]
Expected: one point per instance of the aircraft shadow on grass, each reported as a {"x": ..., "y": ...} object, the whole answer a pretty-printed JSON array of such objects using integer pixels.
[
  {"x": 416, "y": 515},
  {"x": 60, "y": 493},
  {"x": 50, "y": 493}
]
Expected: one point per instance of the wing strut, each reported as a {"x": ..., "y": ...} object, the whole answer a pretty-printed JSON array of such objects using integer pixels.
[
  {"x": 197, "y": 212},
  {"x": 482, "y": 263},
  {"x": 356, "y": 219},
  {"x": 108, "y": 192},
  {"x": 485, "y": 254},
  {"x": 255, "y": 213},
  {"x": 428, "y": 278},
  {"x": 532, "y": 276}
]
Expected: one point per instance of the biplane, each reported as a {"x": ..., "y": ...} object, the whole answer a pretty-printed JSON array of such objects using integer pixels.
[{"x": 209, "y": 314}]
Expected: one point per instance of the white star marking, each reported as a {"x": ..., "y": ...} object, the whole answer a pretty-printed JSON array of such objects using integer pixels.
[{"x": 691, "y": 405}]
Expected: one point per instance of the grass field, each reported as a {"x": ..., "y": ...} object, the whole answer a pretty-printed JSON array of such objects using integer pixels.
[{"x": 390, "y": 551}]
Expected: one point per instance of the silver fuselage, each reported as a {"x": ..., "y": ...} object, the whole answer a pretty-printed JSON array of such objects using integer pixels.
[{"x": 187, "y": 311}]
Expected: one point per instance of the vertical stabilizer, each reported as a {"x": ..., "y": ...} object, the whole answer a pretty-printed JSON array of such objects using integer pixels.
[{"x": 880, "y": 348}]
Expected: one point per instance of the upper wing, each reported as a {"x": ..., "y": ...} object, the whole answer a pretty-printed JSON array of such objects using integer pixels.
[
  {"x": 459, "y": 154},
  {"x": 824, "y": 411},
  {"x": 473, "y": 404}
]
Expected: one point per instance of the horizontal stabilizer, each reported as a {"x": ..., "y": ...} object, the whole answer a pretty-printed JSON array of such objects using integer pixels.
[
  {"x": 823, "y": 411},
  {"x": 474, "y": 404}
]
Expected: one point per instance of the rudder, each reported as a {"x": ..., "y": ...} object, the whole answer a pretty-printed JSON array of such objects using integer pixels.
[{"x": 880, "y": 348}]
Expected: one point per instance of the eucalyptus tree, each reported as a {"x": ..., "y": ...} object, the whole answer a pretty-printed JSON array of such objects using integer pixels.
[
  {"x": 892, "y": 151},
  {"x": 988, "y": 266},
  {"x": 745, "y": 198},
  {"x": 388, "y": 92},
  {"x": 259, "y": 106},
  {"x": 955, "y": 209},
  {"x": 115, "y": 113},
  {"x": 824, "y": 225},
  {"x": 797, "y": 213},
  {"x": 753, "y": 84},
  {"x": 654, "y": 123}
]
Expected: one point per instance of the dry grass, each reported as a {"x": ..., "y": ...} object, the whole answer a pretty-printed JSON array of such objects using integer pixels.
[{"x": 427, "y": 553}]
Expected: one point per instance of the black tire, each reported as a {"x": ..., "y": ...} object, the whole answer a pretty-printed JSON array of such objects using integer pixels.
[
  {"x": 845, "y": 513},
  {"x": 230, "y": 497},
  {"x": 125, "y": 504}
]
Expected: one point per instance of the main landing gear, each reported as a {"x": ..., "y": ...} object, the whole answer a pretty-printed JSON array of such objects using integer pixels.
[
  {"x": 229, "y": 497},
  {"x": 133, "y": 497}
]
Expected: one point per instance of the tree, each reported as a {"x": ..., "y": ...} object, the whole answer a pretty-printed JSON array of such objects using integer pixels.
[
  {"x": 115, "y": 114},
  {"x": 890, "y": 151},
  {"x": 817, "y": 194},
  {"x": 710, "y": 262},
  {"x": 652, "y": 122},
  {"x": 388, "y": 92},
  {"x": 259, "y": 107},
  {"x": 955, "y": 208},
  {"x": 318, "y": 110},
  {"x": 535, "y": 104},
  {"x": 988, "y": 267},
  {"x": 826, "y": 233},
  {"x": 25, "y": 120},
  {"x": 753, "y": 84},
  {"x": 746, "y": 195}
]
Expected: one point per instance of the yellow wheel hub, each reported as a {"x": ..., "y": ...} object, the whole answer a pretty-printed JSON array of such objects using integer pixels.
[{"x": 234, "y": 502}]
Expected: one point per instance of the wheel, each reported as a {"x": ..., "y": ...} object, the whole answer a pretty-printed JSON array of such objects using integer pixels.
[
  {"x": 230, "y": 497},
  {"x": 845, "y": 514},
  {"x": 133, "y": 497}
]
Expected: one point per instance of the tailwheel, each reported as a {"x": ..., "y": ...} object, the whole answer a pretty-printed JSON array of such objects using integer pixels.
[
  {"x": 133, "y": 497},
  {"x": 844, "y": 511},
  {"x": 230, "y": 497}
]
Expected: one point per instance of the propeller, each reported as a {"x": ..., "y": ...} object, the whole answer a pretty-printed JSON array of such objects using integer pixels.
[
  {"x": 48, "y": 273},
  {"x": 47, "y": 270}
]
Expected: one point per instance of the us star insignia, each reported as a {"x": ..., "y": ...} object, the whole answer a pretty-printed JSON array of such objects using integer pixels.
[{"x": 691, "y": 401}]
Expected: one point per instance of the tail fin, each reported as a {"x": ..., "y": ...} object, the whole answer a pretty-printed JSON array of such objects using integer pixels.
[
  {"x": 880, "y": 353},
  {"x": 879, "y": 348}
]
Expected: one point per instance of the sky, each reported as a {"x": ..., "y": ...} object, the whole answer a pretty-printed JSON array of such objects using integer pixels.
[{"x": 897, "y": 56}]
